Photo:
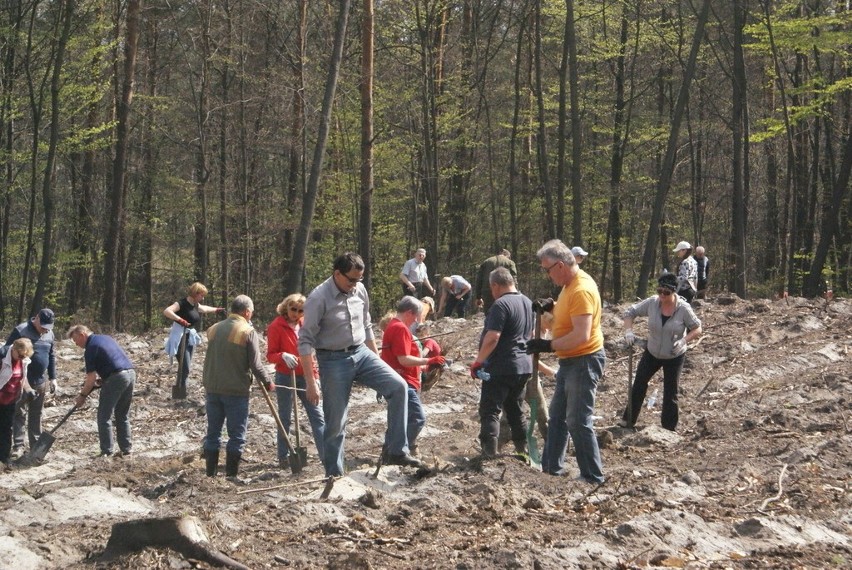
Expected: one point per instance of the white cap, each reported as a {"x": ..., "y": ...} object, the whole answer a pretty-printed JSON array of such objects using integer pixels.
[
  {"x": 682, "y": 245},
  {"x": 577, "y": 250}
]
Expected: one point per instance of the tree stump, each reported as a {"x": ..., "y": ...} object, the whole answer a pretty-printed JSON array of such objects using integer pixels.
[{"x": 184, "y": 535}]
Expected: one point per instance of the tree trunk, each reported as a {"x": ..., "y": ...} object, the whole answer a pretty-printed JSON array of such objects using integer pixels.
[
  {"x": 365, "y": 222},
  {"x": 667, "y": 169},
  {"x": 300, "y": 249},
  {"x": 576, "y": 130},
  {"x": 112, "y": 262},
  {"x": 737, "y": 276},
  {"x": 543, "y": 167}
]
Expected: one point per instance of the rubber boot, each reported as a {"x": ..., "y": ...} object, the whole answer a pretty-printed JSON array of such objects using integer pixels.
[
  {"x": 521, "y": 447},
  {"x": 211, "y": 459},
  {"x": 232, "y": 463},
  {"x": 489, "y": 448}
]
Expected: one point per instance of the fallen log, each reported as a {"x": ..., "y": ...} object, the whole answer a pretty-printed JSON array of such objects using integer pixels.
[{"x": 184, "y": 535}]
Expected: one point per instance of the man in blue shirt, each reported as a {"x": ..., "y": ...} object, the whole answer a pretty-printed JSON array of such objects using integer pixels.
[
  {"x": 39, "y": 330},
  {"x": 108, "y": 365}
]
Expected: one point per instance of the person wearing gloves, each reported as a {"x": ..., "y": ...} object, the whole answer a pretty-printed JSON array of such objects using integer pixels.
[
  {"x": 186, "y": 314},
  {"x": 671, "y": 325},
  {"x": 687, "y": 271},
  {"x": 108, "y": 366},
  {"x": 39, "y": 330},
  {"x": 403, "y": 355},
  {"x": 455, "y": 293},
  {"x": 415, "y": 277},
  {"x": 282, "y": 350},
  {"x": 233, "y": 356},
  {"x": 14, "y": 360},
  {"x": 508, "y": 327},
  {"x": 578, "y": 342}
]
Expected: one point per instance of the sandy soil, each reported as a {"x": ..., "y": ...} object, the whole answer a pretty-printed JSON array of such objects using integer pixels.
[{"x": 757, "y": 475}]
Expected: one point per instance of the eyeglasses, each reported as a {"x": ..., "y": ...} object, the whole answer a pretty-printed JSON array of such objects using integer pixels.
[
  {"x": 664, "y": 292},
  {"x": 547, "y": 269},
  {"x": 296, "y": 310},
  {"x": 352, "y": 280}
]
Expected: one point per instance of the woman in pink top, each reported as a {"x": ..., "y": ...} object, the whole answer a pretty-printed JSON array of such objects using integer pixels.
[
  {"x": 13, "y": 383},
  {"x": 283, "y": 351}
]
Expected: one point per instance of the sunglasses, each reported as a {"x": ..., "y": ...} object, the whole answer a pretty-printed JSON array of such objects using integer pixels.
[
  {"x": 296, "y": 310},
  {"x": 664, "y": 292},
  {"x": 352, "y": 280}
]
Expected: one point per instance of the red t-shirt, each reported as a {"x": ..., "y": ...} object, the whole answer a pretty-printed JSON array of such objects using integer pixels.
[{"x": 397, "y": 341}]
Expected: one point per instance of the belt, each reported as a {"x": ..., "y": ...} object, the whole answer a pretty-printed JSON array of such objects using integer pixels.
[{"x": 352, "y": 348}]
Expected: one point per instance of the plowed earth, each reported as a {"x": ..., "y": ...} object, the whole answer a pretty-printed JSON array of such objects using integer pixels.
[{"x": 756, "y": 476}]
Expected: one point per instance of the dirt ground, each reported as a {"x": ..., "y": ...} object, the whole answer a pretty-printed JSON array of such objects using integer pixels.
[{"x": 756, "y": 476}]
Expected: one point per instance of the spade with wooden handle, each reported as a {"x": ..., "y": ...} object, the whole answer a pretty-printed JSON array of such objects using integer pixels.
[{"x": 296, "y": 464}]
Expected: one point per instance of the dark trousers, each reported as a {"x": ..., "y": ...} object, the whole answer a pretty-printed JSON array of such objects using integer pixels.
[
  {"x": 418, "y": 290},
  {"x": 503, "y": 393},
  {"x": 7, "y": 414},
  {"x": 457, "y": 305},
  {"x": 687, "y": 294},
  {"x": 187, "y": 359},
  {"x": 648, "y": 366}
]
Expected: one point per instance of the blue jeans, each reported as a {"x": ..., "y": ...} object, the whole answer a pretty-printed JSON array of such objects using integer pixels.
[
  {"x": 116, "y": 396},
  {"x": 235, "y": 410},
  {"x": 416, "y": 417},
  {"x": 285, "y": 406},
  {"x": 338, "y": 371},
  {"x": 571, "y": 413},
  {"x": 28, "y": 415}
]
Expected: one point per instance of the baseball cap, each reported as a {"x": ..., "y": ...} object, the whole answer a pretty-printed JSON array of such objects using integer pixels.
[
  {"x": 682, "y": 245},
  {"x": 46, "y": 318},
  {"x": 577, "y": 250}
]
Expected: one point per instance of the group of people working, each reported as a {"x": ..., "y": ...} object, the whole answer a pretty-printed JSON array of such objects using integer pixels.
[{"x": 329, "y": 335}]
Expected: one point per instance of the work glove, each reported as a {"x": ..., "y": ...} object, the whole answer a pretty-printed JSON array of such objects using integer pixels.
[
  {"x": 537, "y": 345},
  {"x": 679, "y": 345},
  {"x": 289, "y": 360},
  {"x": 543, "y": 305},
  {"x": 436, "y": 361},
  {"x": 183, "y": 322},
  {"x": 474, "y": 370},
  {"x": 629, "y": 337},
  {"x": 221, "y": 311},
  {"x": 53, "y": 386}
]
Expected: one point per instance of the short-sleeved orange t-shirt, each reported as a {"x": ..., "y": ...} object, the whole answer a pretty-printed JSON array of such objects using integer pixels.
[{"x": 581, "y": 297}]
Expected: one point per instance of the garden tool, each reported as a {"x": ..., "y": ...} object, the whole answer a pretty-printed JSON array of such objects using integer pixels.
[
  {"x": 532, "y": 397},
  {"x": 301, "y": 451},
  {"x": 296, "y": 464}
]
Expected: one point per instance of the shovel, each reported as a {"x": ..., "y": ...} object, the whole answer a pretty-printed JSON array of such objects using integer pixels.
[
  {"x": 179, "y": 389},
  {"x": 45, "y": 440},
  {"x": 301, "y": 451},
  {"x": 532, "y": 398},
  {"x": 296, "y": 464},
  {"x": 630, "y": 386}
]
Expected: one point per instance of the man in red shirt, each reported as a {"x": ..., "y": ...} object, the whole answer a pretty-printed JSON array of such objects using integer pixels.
[{"x": 401, "y": 353}]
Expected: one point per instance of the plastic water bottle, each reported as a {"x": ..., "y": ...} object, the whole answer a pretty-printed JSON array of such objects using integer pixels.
[
  {"x": 483, "y": 375},
  {"x": 652, "y": 399}
]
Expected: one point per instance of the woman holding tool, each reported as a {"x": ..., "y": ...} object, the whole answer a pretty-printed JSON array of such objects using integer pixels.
[
  {"x": 283, "y": 351},
  {"x": 671, "y": 325},
  {"x": 186, "y": 314}
]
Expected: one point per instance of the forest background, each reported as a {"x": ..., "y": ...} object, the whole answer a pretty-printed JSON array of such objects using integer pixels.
[{"x": 148, "y": 144}]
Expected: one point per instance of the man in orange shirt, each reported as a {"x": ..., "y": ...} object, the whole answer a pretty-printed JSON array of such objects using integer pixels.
[{"x": 578, "y": 342}]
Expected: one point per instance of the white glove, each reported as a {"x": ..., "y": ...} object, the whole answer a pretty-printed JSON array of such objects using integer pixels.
[
  {"x": 290, "y": 360},
  {"x": 53, "y": 386},
  {"x": 679, "y": 345},
  {"x": 629, "y": 337}
]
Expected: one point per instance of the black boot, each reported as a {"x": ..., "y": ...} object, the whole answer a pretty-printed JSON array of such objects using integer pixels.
[
  {"x": 520, "y": 447},
  {"x": 489, "y": 448},
  {"x": 232, "y": 463},
  {"x": 211, "y": 459}
]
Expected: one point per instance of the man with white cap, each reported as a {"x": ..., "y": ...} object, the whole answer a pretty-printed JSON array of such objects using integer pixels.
[
  {"x": 687, "y": 271},
  {"x": 39, "y": 330},
  {"x": 579, "y": 254}
]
